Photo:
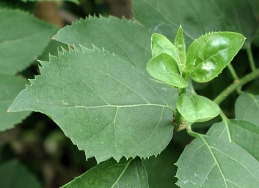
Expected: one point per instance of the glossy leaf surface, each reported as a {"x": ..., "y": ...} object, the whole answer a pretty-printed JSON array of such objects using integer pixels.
[
  {"x": 163, "y": 67},
  {"x": 19, "y": 31},
  {"x": 208, "y": 55},
  {"x": 10, "y": 86},
  {"x": 196, "y": 108},
  {"x": 212, "y": 162},
  {"x": 129, "y": 173},
  {"x": 106, "y": 106}
]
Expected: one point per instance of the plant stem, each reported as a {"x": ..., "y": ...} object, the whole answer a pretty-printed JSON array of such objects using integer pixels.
[
  {"x": 233, "y": 72},
  {"x": 250, "y": 58},
  {"x": 223, "y": 116},
  {"x": 191, "y": 132},
  {"x": 249, "y": 77}
]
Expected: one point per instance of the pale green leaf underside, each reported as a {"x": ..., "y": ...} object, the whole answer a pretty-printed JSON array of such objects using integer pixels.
[
  {"x": 110, "y": 174},
  {"x": 10, "y": 86},
  {"x": 212, "y": 162},
  {"x": 242, "y": 133},
  {"x": 195, "y": 108},
  {"x": 199, "y": 17},
  {"x": 247, "y": 108},
  {"x": 19, "y": 32},
  {"x": 103, "y": 104},
  {"x": 163, "y": 67},
  {"x": 15, "y": 175}
]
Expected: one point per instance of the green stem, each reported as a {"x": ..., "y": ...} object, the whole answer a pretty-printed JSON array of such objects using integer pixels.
[
  {"x": 250, "y": 58},
  {"x": 225, "y": 93},
  {"x": 233, "y": 72},
  {"x": 223, "y": 116},
  {"x": 191, "y": 132}
]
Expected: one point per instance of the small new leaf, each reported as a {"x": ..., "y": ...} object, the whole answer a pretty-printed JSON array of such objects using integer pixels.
[
  {"x": 208, "y": 55},
  {"x": 180, "y": 45},
  {"x": 163, "y": 67},
  {"x": 196, "y": 108},
  {"x": 160, "y": 44}
]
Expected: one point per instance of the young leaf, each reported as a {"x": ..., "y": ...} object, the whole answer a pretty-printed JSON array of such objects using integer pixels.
[
  {"x": 196, "y": 108},
  {"x": 242, "y": 133},
  {"x": 212, "y": 162},
  {"x": 129, "y": 173},
  {"x": 160, "y": 44},
  {"x": 180, "y": 45},
  {"x": 106, "y": 106},
  {"x": 19, "y": 31},
  {"x": 15, "y": 175},
  {"x": 163, "y": 67},
  {"x": 208, "y": 55},
  {"x": 10, "y": 86},
  {"x": 247, "y": 108}
]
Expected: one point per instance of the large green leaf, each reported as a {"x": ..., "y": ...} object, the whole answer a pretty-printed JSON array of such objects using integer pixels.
[
  {"x": 247, "y": 108},
  {"x": 22, "y": 39},
  {"x": 10, "y": 86},
  {"x": 212, "y": 162},
  {"x": 208, "y": 55},
  {"x": 105, "y": 105},
  {"x": 242, "y": 133},
  {"x": 131, "y": 42},
  {"x": 110, "y": 174},
  {"x": 15, "y": 175},
  {"x": 197, "y": 17}
]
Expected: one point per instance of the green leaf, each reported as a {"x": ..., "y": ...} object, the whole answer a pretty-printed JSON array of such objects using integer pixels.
[
  {"x": 242, "y": 133},
  {"x": 133, "y": 46},
  {"x": 106, "y": 106},
  {"x": 131, "y": 42},
  {"x": 247, "y": 108},
  {"x": 208, "y": 55},
  {"x": 180, "y": 45},
  {"x": 160, "y": 44},
  {"x": 74, "y": 1},
  {"x": 19, "y": 32},
  {"x": 239, "y": 18},
  {"x": 196, "y": 108},
  {"x": 199, "y": 17},
  {"x": 163, "y": 163},
  {"x": 163, "y": 67},
  {"x": 129, "y": 173},
  {"x": 15, "y": 175},
  {"x": 10, "y": 86},
  {"x": 212, "y": 162}
]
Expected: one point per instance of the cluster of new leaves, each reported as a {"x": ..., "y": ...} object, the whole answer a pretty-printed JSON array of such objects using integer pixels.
[{"x": 206, "y": 57}]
